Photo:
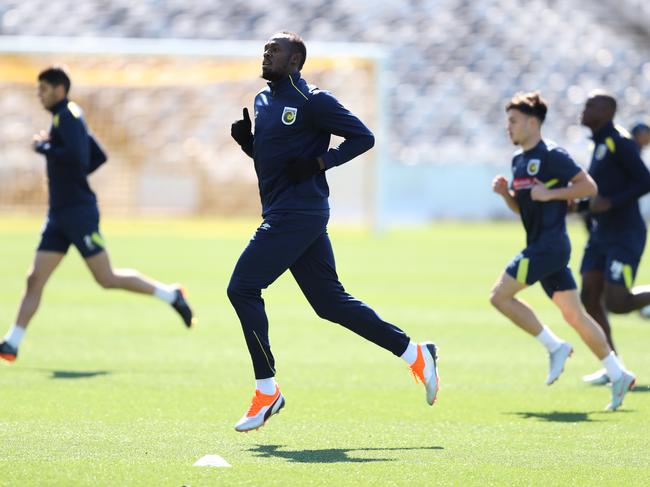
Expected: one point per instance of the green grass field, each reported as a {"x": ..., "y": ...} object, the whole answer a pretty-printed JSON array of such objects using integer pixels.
[{"x": 111, "y": 390}]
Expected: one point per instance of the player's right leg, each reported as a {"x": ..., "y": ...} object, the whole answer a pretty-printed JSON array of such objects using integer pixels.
[
  {"x": 45, "y": 262},
  {"x": 569, "y": 304},
  {"x": 277, "y": 243},
  {"x": 592, "y": 295},
  {"x": 523, "y": 271}
]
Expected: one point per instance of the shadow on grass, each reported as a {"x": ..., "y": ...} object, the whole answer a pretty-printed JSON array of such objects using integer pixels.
[
  {"x": 328, "y": 455},
  {"x": 640, "y": 388},
  {"x": 558, "y": 416},
  {"x": 77, "y": 374}
]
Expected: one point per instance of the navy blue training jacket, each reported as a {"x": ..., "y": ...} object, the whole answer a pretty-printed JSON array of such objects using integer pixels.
[
  {"x": 71, "y": 153},
  {"x": 293, "y": 120},
  {"x": 621, "y": 175}
]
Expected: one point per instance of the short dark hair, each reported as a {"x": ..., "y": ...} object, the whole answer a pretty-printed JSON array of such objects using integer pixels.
[
  {"x": 55, "y": 76},
  {"x": 639, "y": 128},
  {"x": 606, "y": 99},
  {"x": 297, "y": 45},
  {"x": 530, "y": 103}
]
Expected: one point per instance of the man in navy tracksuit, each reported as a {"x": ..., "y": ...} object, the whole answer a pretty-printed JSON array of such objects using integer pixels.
[
  {"x": 72, "y": 153},
  {"x": 617, "y": 234},
  {"x": 293, "y": 125}
]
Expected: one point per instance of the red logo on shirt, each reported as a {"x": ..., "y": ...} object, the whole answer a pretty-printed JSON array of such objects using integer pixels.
[{"x": 523, "y": 183}]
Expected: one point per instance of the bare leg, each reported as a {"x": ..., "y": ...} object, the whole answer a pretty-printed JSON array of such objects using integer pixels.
[
  {"x": 44, "y": 265},
  {"x": 619, "y": 299},
  {"x": 109, "y": 278},
  {"x": 575, "y": 315},
  {"x": 503, "y": 298},
  {"x": 593, "y": 298},
  {"x": 133, "y": 281}
]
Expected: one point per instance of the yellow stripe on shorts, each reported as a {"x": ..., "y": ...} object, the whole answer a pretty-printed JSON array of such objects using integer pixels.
[
  {"x": 627, "y": 276},
  {"x": 98, "y": 240},
  {"x": 522, "y": 270}
]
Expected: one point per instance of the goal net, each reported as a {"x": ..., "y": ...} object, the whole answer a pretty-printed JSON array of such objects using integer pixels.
[{"x": 163, "y": 109}]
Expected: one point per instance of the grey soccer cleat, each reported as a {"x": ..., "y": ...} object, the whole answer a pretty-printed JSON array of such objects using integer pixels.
[
  {"x": 598, "y": 378},
  {"x": 619, "y": 389},
  {"x": 557, "y": 360}
]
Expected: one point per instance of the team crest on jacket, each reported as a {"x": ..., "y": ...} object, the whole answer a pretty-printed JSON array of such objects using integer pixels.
[
  {"x": 533, "y": 166},
  {"x": 601, "y": 150},
  {"x": 289, "y": 115}
]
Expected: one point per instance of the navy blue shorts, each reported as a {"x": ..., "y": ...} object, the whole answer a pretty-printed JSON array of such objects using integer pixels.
[
  {"x": 78, "y": 226},
  {"x": 547, "y": 265},
  {"x": 617, "y": 258}
]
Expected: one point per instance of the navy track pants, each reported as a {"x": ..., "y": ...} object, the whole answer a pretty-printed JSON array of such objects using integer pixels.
[{"x": 299, "y": 243}]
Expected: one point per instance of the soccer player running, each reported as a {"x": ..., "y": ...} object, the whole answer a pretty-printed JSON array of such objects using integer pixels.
[
  {"x": 641, "y": 135},
  {"x": 293, "y": 125},
  {"x": 544, "y": 178},
  {"x": 617, "y": 233},
  {"x": 72, "y": 153}
]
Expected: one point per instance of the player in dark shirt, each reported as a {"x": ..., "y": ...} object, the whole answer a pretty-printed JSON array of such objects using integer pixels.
[
  {"x": 72, "y": 153},
  {"x": 290, "y": 150},
  {"x": 544, "y": 178},
  {"x": 641, "y": 135},
  {"x": 617, "y": 233}
]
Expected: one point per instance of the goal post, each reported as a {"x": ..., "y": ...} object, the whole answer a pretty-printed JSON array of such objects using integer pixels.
[{"x": 163, "y": 109}]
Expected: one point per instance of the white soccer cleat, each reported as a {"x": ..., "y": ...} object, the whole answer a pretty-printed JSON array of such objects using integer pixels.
[
  {"x": 619, "y": 389},
  {"x": 598, "y": 378},
  {"x": 425, "y": 370},
  {"x": 261, "y": 409},
  {"x": 557, "y": 360}
]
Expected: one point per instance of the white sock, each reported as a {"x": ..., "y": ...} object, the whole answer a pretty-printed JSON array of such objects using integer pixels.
[
  {"x": 166, "y": 293},
  {"x": 549, "y": 339},
  {"x": 620, "y": 361},
  {"x": 15, "y": 335},
  {"x": 613, "y": 367},
  {"x": 265, "y": 386},
  {"x": 411, "y": 353}
]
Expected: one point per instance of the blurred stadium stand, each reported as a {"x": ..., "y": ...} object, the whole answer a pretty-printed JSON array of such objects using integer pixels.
[{"x": 453, "y": 63}]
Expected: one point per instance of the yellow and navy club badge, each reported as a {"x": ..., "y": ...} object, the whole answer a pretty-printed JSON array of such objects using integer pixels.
[
  {"x": 289, "y": 115},
  {"x": 601, "y": 150},
  {"x": 533, "y": 167}
]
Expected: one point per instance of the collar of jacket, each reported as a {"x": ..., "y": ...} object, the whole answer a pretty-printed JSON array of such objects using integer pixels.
[
  {"x": 58, "y": 106},
  {"x": 285, "y": 83},
  {"x": 604, "y": 131}
]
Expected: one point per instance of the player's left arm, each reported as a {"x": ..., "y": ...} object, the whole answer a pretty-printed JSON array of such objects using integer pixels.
[
  {"x": 580, "y": 184},
  {"x": 330, "y": 116},
  {"x": 639, "y": 176},
  {"x": 97, "y": 154}
]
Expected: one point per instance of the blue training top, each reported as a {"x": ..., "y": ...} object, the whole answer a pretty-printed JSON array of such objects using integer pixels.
[
  {"x": 621, "y": 176},
  {"x": 71, "y": 153},
  {"x": 554, "y": 167},
  {"x": 293, "y": 120}
]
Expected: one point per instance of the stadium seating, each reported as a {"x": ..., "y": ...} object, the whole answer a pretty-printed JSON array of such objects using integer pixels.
[{"x": 454, "y": 63}]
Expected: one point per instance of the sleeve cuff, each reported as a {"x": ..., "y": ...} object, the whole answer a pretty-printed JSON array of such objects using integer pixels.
[{"x": 329, "y": 160}]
